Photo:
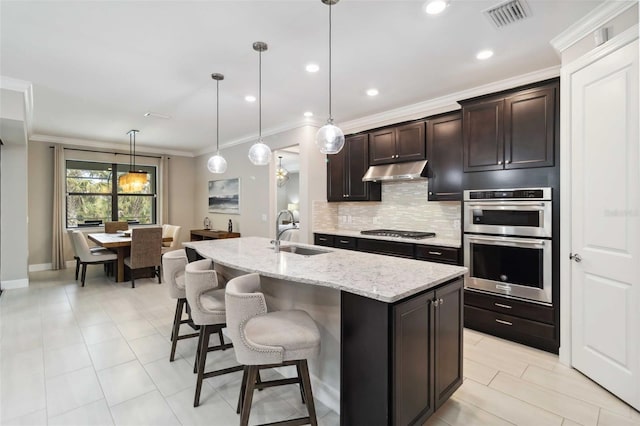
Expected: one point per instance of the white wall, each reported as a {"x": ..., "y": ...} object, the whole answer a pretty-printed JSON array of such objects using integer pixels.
[{"x": 258, "y": 187}]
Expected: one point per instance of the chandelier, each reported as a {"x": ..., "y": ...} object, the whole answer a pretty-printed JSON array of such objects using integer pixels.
[{"x": 134, "y": 180}]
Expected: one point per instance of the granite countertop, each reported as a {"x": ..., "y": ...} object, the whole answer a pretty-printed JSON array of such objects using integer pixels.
[
  {"x": 435, "y": 241},
  {"x": 379, "y": 277}
]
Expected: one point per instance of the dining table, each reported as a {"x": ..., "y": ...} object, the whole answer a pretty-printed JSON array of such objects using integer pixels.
[{"x": 120, "y": 243}]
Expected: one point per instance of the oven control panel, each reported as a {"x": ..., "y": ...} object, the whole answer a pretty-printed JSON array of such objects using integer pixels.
[{"x": 509, "y": 194}]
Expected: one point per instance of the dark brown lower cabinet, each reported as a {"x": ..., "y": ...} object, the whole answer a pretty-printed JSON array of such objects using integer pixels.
[{"x": 400, "y": 361}]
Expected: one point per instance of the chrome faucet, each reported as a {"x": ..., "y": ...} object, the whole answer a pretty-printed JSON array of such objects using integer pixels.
[{"x": 276, "y": 242}]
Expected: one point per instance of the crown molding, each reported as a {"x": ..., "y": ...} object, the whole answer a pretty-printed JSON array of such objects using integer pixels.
[
  {"x": 444, "y": 103},
  {"x": 595, "y": 19},
  {"x": 85, "y": 143}
]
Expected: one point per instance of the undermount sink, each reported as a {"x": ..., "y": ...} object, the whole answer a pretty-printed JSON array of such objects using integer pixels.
[{"x": 303, "y": 251}]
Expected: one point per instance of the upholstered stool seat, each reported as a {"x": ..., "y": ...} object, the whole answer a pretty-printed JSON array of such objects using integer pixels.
[
  {"x": 173, "y": 270},
  {"x": 265, "y": 339},
  {"x": 206, "y": 297}
]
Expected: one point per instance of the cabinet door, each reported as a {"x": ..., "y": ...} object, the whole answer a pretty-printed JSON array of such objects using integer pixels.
[
  {"x": 529, "y": 121},
  {"x": 413, "y": 360},
  {"x": 358, "y": 162},
  {"x": 382, "y": 146},
  {"x": 444, "y": 152},
  {"x": 336, "y": 169},
  {"x": 448, "y": 341},
  {"x": 483, "y": 136},
  {"x": 410, "y": 142}
]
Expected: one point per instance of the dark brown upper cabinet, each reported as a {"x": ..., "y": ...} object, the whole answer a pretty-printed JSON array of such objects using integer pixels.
[
  {"x": 397, "y": 144},
  {"x": 444, "y": 152},
  {"x": 345, "y": 170},
  {"x": 515, "y": 130}
]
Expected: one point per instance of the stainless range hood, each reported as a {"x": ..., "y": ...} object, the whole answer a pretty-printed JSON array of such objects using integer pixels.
[{"x": 397, "y": 171}]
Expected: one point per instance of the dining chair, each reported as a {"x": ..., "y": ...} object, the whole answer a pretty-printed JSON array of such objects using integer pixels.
[
  {"x": 85, "y": 256},
  {"x": 173, "y": 232},
  {"x": 113, "y": 227},
  {"x": 264, "y": 339},
  {"x": 146, "y": 252},
  {"x": 108, "y": 267}
]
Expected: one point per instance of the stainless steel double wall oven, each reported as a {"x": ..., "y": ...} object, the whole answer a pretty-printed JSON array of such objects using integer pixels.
[{"x": 507, "y": 242}]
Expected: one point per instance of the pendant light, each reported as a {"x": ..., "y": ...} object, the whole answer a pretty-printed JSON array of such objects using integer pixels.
[
  {"x": 282, "y": 174},
  {"x": 330, "y": 138},
  {"x": 217, "y": 163},
  {"x": 134, "y": 180},
  {"x": 260, "y": 153}
]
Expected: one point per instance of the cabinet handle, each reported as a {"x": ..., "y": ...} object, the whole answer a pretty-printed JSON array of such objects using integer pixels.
[
  {"x": 435, "y": 303},
  {"x": 499, "y": 162},
  {"x": 500, "y": 305},
  {"x": 322, "y": 239},
  {"x": 441, "y": 302},
  {"x": 504, "y": 322},
  {"x": 508, "y": 162},
  {"x": 344, "y": 241},
  {"x": 430, "y": 193},
  {"x": 437, "y": 253}
]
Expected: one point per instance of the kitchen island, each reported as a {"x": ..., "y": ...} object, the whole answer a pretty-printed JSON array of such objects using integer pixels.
[{"x": 391, "y": 328}]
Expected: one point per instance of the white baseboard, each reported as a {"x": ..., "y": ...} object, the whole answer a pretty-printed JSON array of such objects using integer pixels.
[
  {"x": 37, "y": 267},
  {"x": 13, "y": 284}
]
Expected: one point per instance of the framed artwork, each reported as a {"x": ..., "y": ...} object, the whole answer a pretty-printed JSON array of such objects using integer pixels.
[{"x": 224, "y": 196}]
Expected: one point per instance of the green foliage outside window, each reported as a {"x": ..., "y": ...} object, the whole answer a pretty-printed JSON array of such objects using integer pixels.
[{"x": 93, "y": 194}]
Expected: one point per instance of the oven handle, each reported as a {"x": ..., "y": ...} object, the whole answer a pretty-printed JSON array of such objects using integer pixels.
[
  {"x": 507, "y": 241},
  {"x": 502, "y": 206}
]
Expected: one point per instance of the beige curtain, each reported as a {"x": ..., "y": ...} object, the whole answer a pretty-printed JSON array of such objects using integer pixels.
[
  {"x": 57, "y": 246},
  {"x": 164, "y": 189}
]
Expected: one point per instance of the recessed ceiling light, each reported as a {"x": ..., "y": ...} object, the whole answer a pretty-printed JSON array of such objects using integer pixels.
[
  {"x": 250, "y": 98},
  {"x": 312, "y": 67},
  {"x": 434, "y": 7},
  {"x": 372, "y": 92},
  {"x": 308, "y": 114},
  {"x": 484, "y": 54}
]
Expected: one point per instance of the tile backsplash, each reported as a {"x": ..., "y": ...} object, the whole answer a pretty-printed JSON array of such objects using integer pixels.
[{"x": 404, "y": 206}]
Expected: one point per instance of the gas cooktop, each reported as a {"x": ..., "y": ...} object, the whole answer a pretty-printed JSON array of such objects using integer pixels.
[{"x": 417, "y": 235}]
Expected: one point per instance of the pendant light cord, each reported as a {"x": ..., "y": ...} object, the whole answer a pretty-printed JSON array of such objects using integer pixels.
[
  {"x": 134, "y": 151},
  {"x": 130, "y": 152},
  {"x": 260, "y": 96},
  {"x": 217, "y": 117},
  {"x": 330, "y": 117}
]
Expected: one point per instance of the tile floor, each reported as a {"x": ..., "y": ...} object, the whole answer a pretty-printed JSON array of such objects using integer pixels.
[{"x": 99, "y": 356}]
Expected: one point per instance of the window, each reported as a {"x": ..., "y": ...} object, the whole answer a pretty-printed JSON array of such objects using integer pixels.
[{"x": 94, "y": 197}]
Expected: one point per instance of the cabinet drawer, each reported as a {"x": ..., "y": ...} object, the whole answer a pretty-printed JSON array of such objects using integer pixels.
[
  {"x": 506, "y": 325},
  {"x": 348, "y": 243},
  {"x": 437, "y": 254},
  {"x": 510, "y": 307},
  {"x": 324, "y": 240},
  {"x": 386, "y": 247}
]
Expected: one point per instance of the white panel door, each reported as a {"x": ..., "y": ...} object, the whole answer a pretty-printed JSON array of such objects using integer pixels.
[{"x": 605, "y": 226}]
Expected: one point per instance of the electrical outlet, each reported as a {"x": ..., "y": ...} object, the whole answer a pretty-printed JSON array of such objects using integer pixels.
[{"x": 264, "y": 217}]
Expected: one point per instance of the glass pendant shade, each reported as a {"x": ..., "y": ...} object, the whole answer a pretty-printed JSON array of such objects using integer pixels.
[
  {"x": 260, "y": 153},
  {"x": 330, "y": 138},
  {"x": 217, "y": 164}
]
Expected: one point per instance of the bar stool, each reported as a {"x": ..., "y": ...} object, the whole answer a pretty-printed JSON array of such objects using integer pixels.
[
  {"x": 205, "y": 296},
  {"x": 173, "y": 265},
  {"x": 265, "y": 339}
]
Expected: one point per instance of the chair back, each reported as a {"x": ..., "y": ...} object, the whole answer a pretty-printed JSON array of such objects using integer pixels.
[
  {"x": 172, "y": 231},
  {"x": 244, "y": 300},
  {"x": 173, "y": 265},
  {"x": 113, "y": 227},
  {"x": 200, "y": 277},
  {"x": 146, "y": 247},
  {"x": 80, "y": 246}
]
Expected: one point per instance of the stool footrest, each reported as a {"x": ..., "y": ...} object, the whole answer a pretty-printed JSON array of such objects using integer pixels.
[
  {"x": 187, "y": 336},
  {"x": 278, "y": 382},
  {"x": 292, "y": 422},
  {"x": 222, "y": 371},
  {"x": 220, "y": 347}
]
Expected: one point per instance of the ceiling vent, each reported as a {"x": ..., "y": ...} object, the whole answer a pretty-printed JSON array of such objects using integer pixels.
[{"x": 508, "y": 13}]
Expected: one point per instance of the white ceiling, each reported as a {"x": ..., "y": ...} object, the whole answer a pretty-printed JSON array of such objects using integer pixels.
[{"x": 98, "y": 66}]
